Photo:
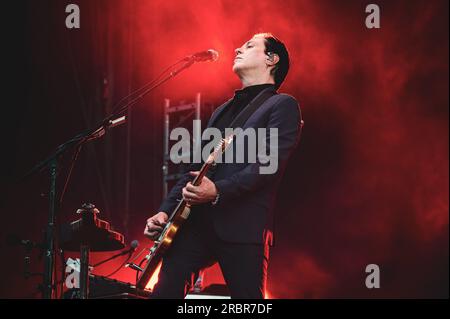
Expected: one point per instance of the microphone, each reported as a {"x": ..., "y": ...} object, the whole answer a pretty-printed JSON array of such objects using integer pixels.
[
  {"x": 133, "y": 245},
  {"x": 202, "y": 56}
]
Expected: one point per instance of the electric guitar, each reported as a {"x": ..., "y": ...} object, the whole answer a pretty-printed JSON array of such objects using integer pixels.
[{"x": 177, "y": 219}]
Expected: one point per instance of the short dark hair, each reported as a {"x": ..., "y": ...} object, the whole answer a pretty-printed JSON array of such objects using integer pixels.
[{"x": 274, "y": 45}]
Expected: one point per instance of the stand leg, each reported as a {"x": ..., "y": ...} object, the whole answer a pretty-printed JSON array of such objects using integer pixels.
[
  {"x": 84, "y": 272},
  {"x": 50, "y": 237}
]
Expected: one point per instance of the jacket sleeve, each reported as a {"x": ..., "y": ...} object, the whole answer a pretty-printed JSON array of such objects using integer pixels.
[{"x": 285, "y": 116}]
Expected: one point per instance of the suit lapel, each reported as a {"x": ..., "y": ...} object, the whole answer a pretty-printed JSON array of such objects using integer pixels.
[{"x": 217, "y": 112}]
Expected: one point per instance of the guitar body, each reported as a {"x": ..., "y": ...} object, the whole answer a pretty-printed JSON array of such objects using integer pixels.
[{"x": 163, "y": 243}]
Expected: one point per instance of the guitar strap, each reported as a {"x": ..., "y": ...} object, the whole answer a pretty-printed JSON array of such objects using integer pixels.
[
  {"x": 244, "y": 115},
  {"x": 259, "y": 100}
]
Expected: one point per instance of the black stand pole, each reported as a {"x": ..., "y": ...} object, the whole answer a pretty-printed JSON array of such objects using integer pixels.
[
  {"x": 51, "y": 162},
  {"x": 50, "y": 235},
  {"x": 84, "y": 271}
]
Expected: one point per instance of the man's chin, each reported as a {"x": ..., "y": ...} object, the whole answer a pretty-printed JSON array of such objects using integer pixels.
[{"x": 237, "y": 68}]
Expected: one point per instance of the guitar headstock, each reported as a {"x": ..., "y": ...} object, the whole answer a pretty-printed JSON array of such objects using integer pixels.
[{"x": 220, "y": 148}]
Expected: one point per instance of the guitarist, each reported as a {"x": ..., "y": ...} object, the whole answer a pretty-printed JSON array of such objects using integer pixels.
[{"x": 232, "y": 218}]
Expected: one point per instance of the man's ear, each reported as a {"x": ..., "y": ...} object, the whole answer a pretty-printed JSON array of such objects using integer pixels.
[{"x": 272, "y": 58}]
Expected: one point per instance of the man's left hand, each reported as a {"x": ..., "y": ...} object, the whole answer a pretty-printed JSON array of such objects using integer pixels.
[{"x": 204, "y": 193}]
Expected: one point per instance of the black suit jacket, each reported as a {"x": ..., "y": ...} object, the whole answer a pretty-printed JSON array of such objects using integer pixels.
[{"x": 244, "y": 213}]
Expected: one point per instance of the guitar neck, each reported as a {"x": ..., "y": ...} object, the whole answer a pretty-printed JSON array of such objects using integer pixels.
[{"x": 197, "y": 180}]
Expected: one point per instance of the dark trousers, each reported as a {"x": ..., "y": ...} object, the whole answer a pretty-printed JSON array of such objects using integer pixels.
[{"x": 196, "y": 246}]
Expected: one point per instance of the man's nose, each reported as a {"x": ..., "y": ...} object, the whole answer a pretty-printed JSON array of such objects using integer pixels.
[{"x": 237, "y": 51}]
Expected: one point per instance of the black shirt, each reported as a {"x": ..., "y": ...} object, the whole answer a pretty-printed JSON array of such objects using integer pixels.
[{"x": 240, "y": 100}]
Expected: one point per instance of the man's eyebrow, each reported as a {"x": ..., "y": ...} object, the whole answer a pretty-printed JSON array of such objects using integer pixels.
[{"x": 249, "y": 42}]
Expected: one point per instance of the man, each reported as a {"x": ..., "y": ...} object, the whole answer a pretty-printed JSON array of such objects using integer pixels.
[{"x": 232, "y": 217}]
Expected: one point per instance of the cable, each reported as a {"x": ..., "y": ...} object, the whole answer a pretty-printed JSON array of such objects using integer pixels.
[
  {"x": 140, "y": 253},
  {"x": 137, "y": 272},
  {"x": 145, "y": 86},
  {"x": 69, "y": 174}
]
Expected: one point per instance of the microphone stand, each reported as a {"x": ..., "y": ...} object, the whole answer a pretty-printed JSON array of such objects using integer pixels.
[
  {"x": 52, "y": 164},
  {"x": 122, "y": 253}
]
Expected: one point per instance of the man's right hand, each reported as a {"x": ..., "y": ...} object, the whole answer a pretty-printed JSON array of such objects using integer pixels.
[{"x": 155, "y": 225}]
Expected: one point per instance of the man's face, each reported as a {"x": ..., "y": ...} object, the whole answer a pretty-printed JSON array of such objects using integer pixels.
[{"x": 250, "y": 56}]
